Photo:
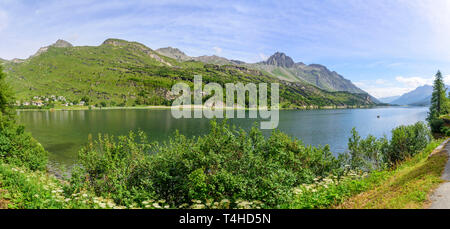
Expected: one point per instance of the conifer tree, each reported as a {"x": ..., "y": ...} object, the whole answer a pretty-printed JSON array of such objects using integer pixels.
[{"x": 438, "y": 99}]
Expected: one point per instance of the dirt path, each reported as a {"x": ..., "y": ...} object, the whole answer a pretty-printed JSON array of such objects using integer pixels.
[
  {"x": 441, "y": 197},
  {"x": 3, "y": 203}
]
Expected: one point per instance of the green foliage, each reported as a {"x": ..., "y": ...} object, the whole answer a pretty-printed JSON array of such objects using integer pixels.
[
  {"x": 18, "y": 147},
  {"x": 375, "y": 154},
  {"x": 439, "y": 98},
  {"x": 198, "y": 188},
  {"x": 6, "y": 96},
  {"x": 128, "y": 74},
  {"x": 445, "y": 130},
  {"x": 103, "y": 104},
  {"x": 225, "y": 164},
  {"x": 367, "y": 154},
  {"x": 436, "y": 125},
  {"x": 331, "y": 191},
  {"x": 115, "y": 166},
  {"x": 26, "y": 189},
  {"x": 86, "y": 100},
  {"x": 439, "y": 104},
  {"x": 234, "y": 165},
  {"x": 407, "y": 141}
]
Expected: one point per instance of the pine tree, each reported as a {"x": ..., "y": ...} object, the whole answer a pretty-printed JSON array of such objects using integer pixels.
[
  {"x": 438, "y": 99},
  {"x": 6, "y": 98}
]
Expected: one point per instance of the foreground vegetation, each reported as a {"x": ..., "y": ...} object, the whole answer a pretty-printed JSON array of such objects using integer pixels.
[
  {"x": 227, "y": 168},
  {"x": 406, "y": 187},
  {"x": 238, "y": 167},
  {"x": 440, "y": 108}
]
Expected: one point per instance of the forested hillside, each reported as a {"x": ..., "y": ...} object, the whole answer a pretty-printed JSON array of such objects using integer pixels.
[{"x": 122, "y": 73}]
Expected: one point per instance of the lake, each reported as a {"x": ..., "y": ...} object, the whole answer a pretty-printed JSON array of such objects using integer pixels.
[{"x": 62, "y": 133}]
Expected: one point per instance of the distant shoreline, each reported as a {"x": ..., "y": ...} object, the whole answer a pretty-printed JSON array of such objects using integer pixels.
[{"x": 79, "y": 108}]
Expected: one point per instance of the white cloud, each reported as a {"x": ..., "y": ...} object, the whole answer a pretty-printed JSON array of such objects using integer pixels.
[
  {"x": 218, "y": 50},
  {"x": 382, "y": 92},
  {"x": 414, "y": 81},
  {"x": 381, "y": 88},
  {"x": 420, "y": 81},
  {"x": 263, "y": 57}
]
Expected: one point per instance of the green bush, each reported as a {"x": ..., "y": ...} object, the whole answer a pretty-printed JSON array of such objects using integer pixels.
[
  {"x": 331, "y": 191},
  {"x": 224, "y": 164},
  {"x": 116, "y": 166},
  {"x": 446, "y": 131},
  {"x": 367, "y": 154},
  {"x": 374, "y": 154},
  {"x": 6, "y": 96},
  {"x": 27, "y": 189},
  {"x": 436, "y": 125},
  {"x": 18, "y": 147},
  {"x": 407, "y": 141},
  {"x": 230, "y": 164}
]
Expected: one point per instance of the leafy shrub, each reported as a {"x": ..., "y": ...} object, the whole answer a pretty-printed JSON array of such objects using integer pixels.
[
  {"x": 445, "y": 130},
  {"x": 6, "y": 96},
  {"x": 224, "y": 164},
  {"x": 331, "y": 191},
  {"x": 367, "y": 154},
  {"x": 375, "y": 154},
  {"x": 231, "y": 164},
  {"x": 436, "y": 125},
  {"x": 116, "y": 166},
  {"x": 18, "y": 147},
  {"x": 27, "y": 189},
  {"x": 407, "y": 141}
]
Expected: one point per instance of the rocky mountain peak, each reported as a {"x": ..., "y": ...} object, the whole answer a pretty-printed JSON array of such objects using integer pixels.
[
  {"x": 173, "y": 53},
  {"x": 281, "y": 60},
  {"x": 58, "y": 44},
  {"x": 172, "y": 50},
  {"x": 62, "y": 44},
  {"x": 115, "y": 42}
]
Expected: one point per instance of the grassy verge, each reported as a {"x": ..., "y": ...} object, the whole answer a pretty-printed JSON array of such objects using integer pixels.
[
  {"x": 21, "y": 188},
  {"x": 407, "y": 187}
]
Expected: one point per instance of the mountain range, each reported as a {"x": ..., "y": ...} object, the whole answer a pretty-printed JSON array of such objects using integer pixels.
[
  {"x": 420, "y": 96},
  {"x": 120, "y": 72},
  {"x": 280, "y": 66},
  {"x": 389, "y": 99}
]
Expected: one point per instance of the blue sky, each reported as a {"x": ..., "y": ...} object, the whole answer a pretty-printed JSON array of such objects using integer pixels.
[{"x": 386, "y": 47}]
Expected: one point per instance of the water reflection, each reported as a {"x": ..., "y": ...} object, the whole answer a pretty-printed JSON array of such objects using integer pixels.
[{"x": 63, "y": 132}]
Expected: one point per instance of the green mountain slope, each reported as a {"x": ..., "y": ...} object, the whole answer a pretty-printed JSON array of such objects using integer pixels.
[
  {"x": 282, "y": 67},
  {"x": 126, "y": 73},
  {"x": 178, "y": 55}
]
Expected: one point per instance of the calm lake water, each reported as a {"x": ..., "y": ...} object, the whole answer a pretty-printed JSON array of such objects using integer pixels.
[{"x": 62, "y": 133}]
